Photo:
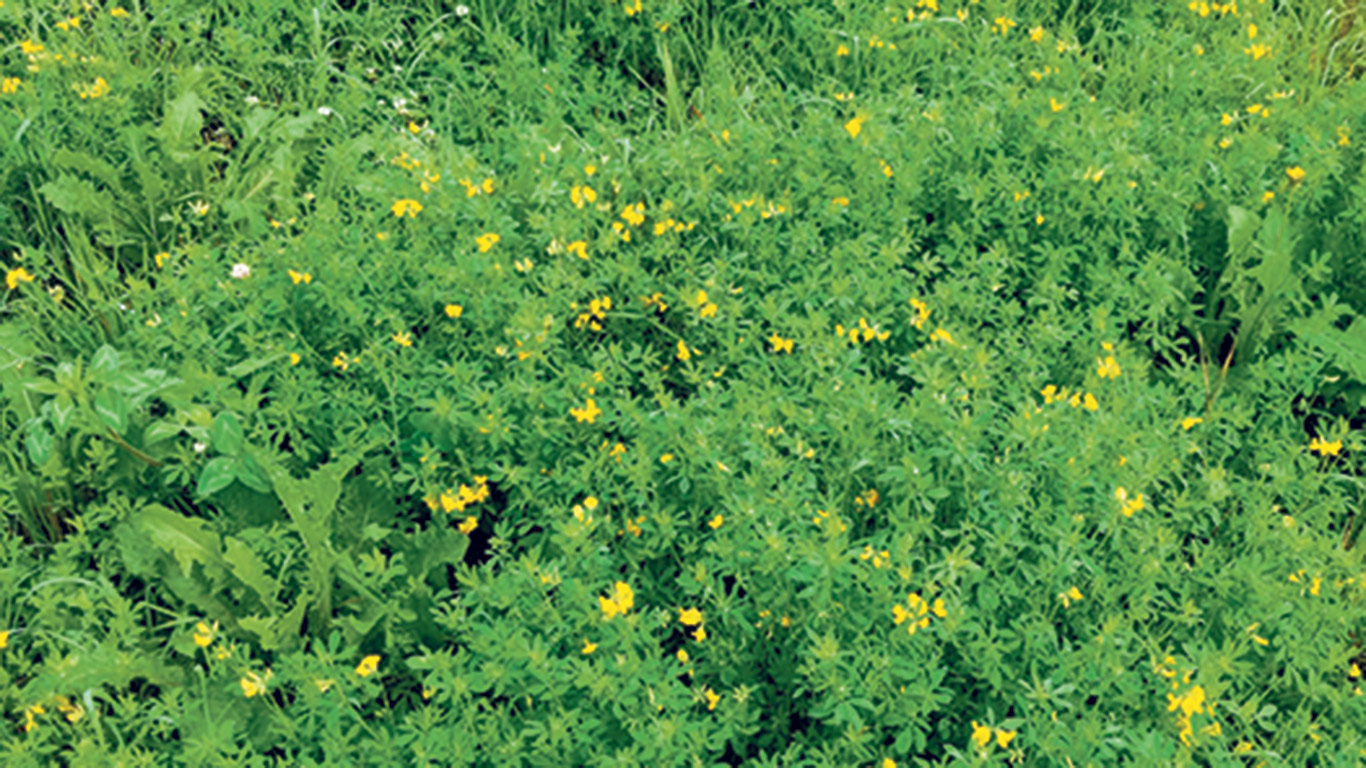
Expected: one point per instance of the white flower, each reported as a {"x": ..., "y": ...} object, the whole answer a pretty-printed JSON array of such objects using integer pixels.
[
  {"x": 462, "y": 10},
  {"x": 241, "y": 271},
  {"x": 253, "y": 101},
  {"x": 325, "y": 111},
  {"x": 199, "y": 447}
]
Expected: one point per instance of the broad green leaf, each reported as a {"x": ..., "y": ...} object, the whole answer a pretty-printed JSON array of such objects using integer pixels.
[
  {"x": 112, "y": 408},
  {"x": 216, "y": 475},
  {"x": 38, "y": 441},
  {"x": 226, "y": 433},
  {"x": 250, "y": 473}
]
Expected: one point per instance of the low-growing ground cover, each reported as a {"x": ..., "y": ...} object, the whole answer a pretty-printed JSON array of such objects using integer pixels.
[{"x": 682, "y": 383}]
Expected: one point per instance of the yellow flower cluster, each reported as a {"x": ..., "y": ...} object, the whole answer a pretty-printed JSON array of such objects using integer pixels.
[
  {"x": 254, "y": 684},
  {"x": 1107, "y": 367},
  {"x": 367, "y": 665},
  {"x": 780, "y": 344},
  {"x": 92, "y": 90},
  {"x": 879, "y": 558},
  {"x": 596, "y": 314},
  {"x": 705, "y": 307},
  {"x": 922, "y": 311},
  {"x": 1072, "y": 595},
  {"x": 406, "y": 206},
  {"x": 981, "y": 736},
  {"x": 863, "y": 333},
  {"x": 691, "y": 617},
  {"x": 917, "y": 610},
  {"x": 1325, "y": 448},
  {"x": 472, "y": 189},
  {"x": 1128, "y": 506},
  {"x": 621, "y": 601},
  {"x": 457, "y": 499},
  {"x": 486, "y": 241},
  {"x": 589, "y": 412},
  {"x": 16, "y": 276},
  {"x": 1052, "y": 394}
]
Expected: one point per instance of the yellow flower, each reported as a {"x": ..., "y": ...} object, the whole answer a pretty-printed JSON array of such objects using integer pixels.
[
  {"x": 589, "y": 412},
  {"x": 623, "y": 597},
  {"x": 1003, "y": 25},
  {"x": 486, "y": 241},
  {"x": 1295, "y": 173},
  {"x": 468, "y": 525},
  {"x": 700, "y": 634},
  {"x": 981, "y": 734},
  {"x": 716, "y": 522},
  {"x": 666, "y": 458},
  {"x": 294, "y": 358},
  {"x": 854, "y": 126},
  {"x": 254, "y": 684},
  {"x": 368, "y": 665},
  {"x": 588, "y": 647},
  {"x": 10, "y": 85},
  {"x": 689, "y": 616},
  {"x": 16, "y": 276},
  {"x": 203, "y": 634},
  {"x": 888, "y": 762},
  {"x": 1089, "y": 402},
  {"x": 118, "y": 12},
  {"x": 1003, "y": 738},
  {"x": 454, "y": 310},
  {"x": 1036, "y": 35},
  {"x": 342, "y": 361},
  {"x": 780, "y": 344},
  {"x": 842, "y": 201},
  {"x": 1107, "y": 368},
  {"x": 30, "y": 48},
  {"x": 300, "y": 277},
  {"x": 632, "y": 7},
  {"x": 1324, "y": 448},
  {"x": 842, "y": 50},
  {"x": 4, "y": 638},
  {"x": 1268, "y": 196},
  {"x": 408, "y": 206},
  {"x": 684, "y": 352},
  {"x": 578, "y": 248},
  {"x": 1055, "y": 105},
  {"x": 713, "y": 698},
  {"x": 1072, "y": 595},
  {"x": 1257, "y": 51},
  {"x": 1190, "y": 421},
  {"x": 403, "y": 339},
  {"x": 1039, "y": 219}
]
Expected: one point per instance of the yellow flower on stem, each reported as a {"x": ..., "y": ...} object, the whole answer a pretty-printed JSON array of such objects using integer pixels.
[
  {"x": 204, "y": 634},
  {"x": 621, "y": 601},
  {"x": 368, "y": 665},
  {"x": 411, "y": 207},
  {"x": 16, "y": 276},
  {"x": 403, "y": 339},
  {"x": 486, "y": 241}
]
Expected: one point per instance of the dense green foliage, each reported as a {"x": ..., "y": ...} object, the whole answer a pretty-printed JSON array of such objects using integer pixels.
[{"x": 682, "y": 383}]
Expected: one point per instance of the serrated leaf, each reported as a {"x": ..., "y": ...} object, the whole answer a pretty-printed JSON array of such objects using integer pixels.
[
  {"x": 78, "y": 197},
  {"x": 182, "y": 120},
  {"x": 250, "y": 570},
  {"x": 188, "y": 540}
]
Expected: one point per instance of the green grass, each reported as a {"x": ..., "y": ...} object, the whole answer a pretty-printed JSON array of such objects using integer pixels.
[{"x": 799, "y": 315}]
